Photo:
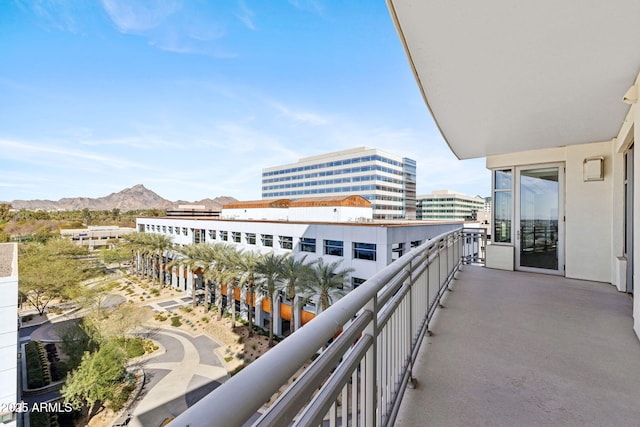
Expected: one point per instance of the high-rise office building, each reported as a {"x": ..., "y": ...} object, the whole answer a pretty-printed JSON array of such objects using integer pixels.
[{"x": 386, "y": 180}]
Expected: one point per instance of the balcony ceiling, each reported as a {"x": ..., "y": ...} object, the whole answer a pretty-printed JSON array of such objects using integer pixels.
[{"x": 505, "y": 76}]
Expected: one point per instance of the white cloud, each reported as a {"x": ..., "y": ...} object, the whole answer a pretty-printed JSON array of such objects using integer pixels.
[
  {"x": 313, "y": 6},
  {"x": 54, "y": 156},
  {"x": 139, "y": 16},
  {"x": 55, "y": 15},
  {"x": 300, "y": 116},
  {"x": 246, "y": 15}
]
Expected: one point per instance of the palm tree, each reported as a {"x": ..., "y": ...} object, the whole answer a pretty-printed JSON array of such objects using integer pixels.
[
  {"x": 139, "y": 248},
  {"x": 269, "y": 270},
  {"x": 158, "y": 244},
  {"x": 295, "y": 273},
  {"x": 327, "y": 282},
  {"x": 247, "y": 264},
  {"x": 189, "y": 256}
]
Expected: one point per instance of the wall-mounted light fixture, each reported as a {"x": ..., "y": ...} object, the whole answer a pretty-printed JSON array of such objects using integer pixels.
[{"x": 593, "y": 169}]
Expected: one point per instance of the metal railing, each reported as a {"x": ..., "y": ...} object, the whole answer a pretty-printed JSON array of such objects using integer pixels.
[
  {"x": 360, "y": 377},
  {"x": 474, "y": 245}
]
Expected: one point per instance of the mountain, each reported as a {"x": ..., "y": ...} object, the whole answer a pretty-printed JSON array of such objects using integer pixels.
[{"x": 134, "y": 198}]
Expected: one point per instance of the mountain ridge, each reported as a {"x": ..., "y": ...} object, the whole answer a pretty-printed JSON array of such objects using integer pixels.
[{"x": 133, "y": 198}]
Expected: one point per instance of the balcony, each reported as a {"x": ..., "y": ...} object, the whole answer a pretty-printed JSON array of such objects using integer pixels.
[
  {"x": 507, "y": 349},
  {"x": 527, "y": 349}
]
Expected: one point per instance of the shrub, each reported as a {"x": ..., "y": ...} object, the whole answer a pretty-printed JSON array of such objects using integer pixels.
[
  {"x": 175, "y": 321},
  {"x": 120, "y": 398},
  {"x": 160, "y": 317},
  {"x": 35, "y": 375}
]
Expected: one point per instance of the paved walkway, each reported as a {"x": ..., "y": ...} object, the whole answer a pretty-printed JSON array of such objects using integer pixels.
[
  {"x": 522, "y": 349},
  {"x": 188, "y": 370}
]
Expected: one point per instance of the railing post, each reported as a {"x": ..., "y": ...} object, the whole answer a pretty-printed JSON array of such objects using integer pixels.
[
  {"x": 370, "y": 389},
  {"x": 411, "y": 323}
]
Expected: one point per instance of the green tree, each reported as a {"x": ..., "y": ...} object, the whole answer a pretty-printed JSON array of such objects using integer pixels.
[
  {"x": 97, "y": 378},
  {"x": 76, "y": 339},
  {"x": 327, "y": 282},
  {"x": 269, "y": 271},
  {"x": 5, "y": 209},
  {"x": 116, "y": 255},
  {"x": 190, "y": 257},
  {"x": 247, "y": 265},
  {"x": 51, "y": 271},
  {"x": 86, "y": 216},
  {"x": 296, "y": 275}
]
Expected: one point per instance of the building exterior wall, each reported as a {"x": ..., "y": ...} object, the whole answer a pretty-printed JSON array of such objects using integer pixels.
[
  {"x": 448, "y": 205},
  {"x": 322, "y": 213},
  {"x": 9, "y": 326},
  {"x": 386, "y": 180},
  {"x": 384, "y": 236},
  {"x": 588, "y": 207},
  {"x": 95, "y": 236}
]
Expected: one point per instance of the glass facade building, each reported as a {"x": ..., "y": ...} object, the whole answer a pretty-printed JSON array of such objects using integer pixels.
[{"x": 386, "y": 180}]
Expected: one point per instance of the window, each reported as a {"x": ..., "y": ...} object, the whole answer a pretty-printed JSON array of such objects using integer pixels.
[
  {"x": 286, "y": 242},
  {"x": 307, "y": 245},
  {"x": 251, "y": 238},
  {"x": 356, "y": 281},
  {"x": 397, "y": 250},
  {"x": 267, "y": 240},
  {"x": 502, "y": 205},
  {"x": 184, "y": 231},
  {"x": 235, "y": 236},
  {"x": 164, "y": 228},
  {"x": 198, "y": 235},
  {"x": 333, "y": 247},
  {"x": 416, "y": 243},
  {"x": 212, "y": 234},
  {"x": 223, "y": 235},
  {"x": 177, "y": 230},
  {"x": 365, "y": 251},
  {"x": 170, "y": 229}
]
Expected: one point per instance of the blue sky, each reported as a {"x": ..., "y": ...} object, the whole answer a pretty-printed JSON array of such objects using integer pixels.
[{"x": 194, "y": 98}]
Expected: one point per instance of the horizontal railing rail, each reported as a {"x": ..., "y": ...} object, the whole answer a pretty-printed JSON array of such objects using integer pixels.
[{"x": 360, "y": 377}]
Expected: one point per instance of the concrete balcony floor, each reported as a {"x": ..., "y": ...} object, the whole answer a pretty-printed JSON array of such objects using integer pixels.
[{"x": 523, "y": 349}]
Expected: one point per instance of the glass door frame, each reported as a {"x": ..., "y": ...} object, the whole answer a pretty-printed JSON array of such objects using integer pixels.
[{"x": 561, "y": 218}]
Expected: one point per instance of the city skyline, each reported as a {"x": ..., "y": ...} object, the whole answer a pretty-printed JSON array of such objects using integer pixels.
[{"x": 193, "y": 100}]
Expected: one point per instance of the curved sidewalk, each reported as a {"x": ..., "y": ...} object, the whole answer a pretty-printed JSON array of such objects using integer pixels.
[
  {"x": 188, "y": 370},
  {"x": 523, "y": 349}
]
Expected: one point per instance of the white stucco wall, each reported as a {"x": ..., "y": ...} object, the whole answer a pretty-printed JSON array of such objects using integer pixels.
[
  {"x": 634, "y": 114},
  {"x": 316, "y": 213},
  {"x": 9, "y": 332},
  {"x": 383, "y": 235},
  {"x": 588, "y": 207}
]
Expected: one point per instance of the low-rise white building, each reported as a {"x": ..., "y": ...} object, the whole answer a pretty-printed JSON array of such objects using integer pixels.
[
  {"x": 366, "y": 247},
  {"x": 95, "y": 236}
]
